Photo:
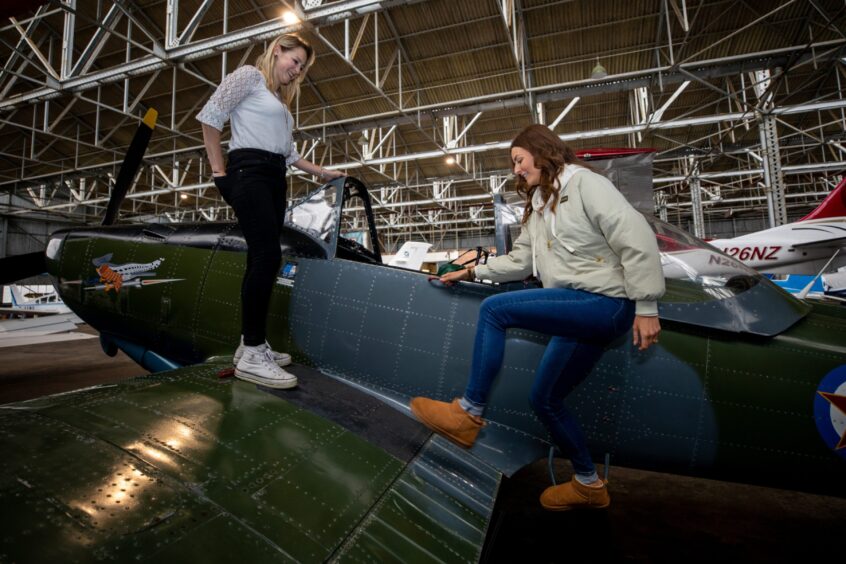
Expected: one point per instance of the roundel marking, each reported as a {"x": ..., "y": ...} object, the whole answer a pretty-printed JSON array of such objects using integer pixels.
[{"x": 830, "y": 410}]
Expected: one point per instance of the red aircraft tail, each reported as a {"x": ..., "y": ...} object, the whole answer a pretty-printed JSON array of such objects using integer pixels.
[{"x": 834, "y": 204}]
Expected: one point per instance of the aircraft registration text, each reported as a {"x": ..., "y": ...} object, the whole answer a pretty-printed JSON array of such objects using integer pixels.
[{"x": 753, "y": 252}]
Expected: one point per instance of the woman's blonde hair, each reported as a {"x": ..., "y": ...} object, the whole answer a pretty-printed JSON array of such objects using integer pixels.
[{"x": 265, "y": 61}]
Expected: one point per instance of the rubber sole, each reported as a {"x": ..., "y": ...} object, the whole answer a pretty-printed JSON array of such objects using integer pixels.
[
  {"x": 571, "y": 507},
  {"x": 280, "y": 364},
  {"x": 269, "y": 383}
]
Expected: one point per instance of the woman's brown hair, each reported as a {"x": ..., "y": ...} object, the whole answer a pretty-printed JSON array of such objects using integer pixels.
[{"x": 550, "y": 155}]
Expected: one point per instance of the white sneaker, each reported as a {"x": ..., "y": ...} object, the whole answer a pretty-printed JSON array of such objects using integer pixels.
[
  {"x": 280, "y": 358},
  {"x": 256, "y": 365}
]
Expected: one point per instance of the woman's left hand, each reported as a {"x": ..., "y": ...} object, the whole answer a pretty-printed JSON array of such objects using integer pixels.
[
  {"x": 645, "y": 331},
  {"x": 328, "y": 174}
]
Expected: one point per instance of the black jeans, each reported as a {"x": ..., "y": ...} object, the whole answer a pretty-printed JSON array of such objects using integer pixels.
[{"x": 255, "y": 187}]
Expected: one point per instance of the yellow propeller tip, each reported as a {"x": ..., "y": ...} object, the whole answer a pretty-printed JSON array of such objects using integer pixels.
[{"x": 150, "y": 118}]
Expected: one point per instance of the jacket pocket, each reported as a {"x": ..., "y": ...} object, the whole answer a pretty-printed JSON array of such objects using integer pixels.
[{"x": 576, "y": 252}]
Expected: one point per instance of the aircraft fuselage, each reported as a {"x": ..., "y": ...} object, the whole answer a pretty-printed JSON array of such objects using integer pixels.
[
  {"x": 704, "y": 402},
  {"x": 798, "y": 248}
]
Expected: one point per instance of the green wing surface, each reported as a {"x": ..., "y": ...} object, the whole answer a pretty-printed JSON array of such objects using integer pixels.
[{"x": 184, "y": 465}]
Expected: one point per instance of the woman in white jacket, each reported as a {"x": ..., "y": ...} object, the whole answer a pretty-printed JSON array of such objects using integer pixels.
[{"x": 601, "y": 272}]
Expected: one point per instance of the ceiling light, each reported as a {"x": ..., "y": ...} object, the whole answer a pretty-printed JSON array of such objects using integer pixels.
[
  {"x": 598, "y": 71},
  {"x": 183, "y": 196},
  {"x": 450, "y": 160},
  {"x": 290, "y": 17}
]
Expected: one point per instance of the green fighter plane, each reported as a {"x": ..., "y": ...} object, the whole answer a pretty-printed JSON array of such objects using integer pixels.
[{"x": 747, "y": 384}]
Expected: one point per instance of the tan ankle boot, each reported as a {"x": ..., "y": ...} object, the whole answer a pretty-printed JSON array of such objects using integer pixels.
[
  {"x": 574, "y": 494},
  {"x": 448, "y": 419}
]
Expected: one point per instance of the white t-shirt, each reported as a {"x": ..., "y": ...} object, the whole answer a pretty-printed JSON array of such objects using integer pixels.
[{"x": 259, "y": 119}]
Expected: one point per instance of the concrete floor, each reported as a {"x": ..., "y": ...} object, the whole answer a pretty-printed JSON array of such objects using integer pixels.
[
  {"x": 653, "y": 517},
  {"x": 658, "y": 517},
  {"x": 31, "y": 371}
]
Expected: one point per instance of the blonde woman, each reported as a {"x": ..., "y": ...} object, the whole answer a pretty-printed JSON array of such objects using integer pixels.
[{"x": 255, "y": 100}]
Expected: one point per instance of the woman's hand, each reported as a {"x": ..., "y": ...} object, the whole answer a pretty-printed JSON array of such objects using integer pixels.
[
  {"x": 451, "y": 278},
  {"x": 323, "y": 174},
  {"x": 645, "y": 331},
  {"x": 326, "y": 174}
]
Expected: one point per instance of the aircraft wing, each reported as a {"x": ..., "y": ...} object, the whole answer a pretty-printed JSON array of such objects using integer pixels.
[
  {"x": 187, "y": 466},
  {"x": 55, "y": 309},
  {"x": 44, "y": 324},
  {"x": 22, "y": 311},
  {"x": 833, "y": 242}
]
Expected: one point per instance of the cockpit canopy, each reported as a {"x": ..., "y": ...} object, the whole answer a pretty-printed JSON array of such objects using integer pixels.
[
  {"x": 327, "y": 215},
  {"x": 709, "y": 288}
]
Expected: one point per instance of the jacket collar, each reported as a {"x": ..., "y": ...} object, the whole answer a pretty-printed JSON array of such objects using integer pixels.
[{"x": 569, "y": 171}]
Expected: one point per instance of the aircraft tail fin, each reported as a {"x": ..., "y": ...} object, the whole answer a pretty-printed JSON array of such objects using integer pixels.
[
  {"x": 834, "y": 204},
  {"x": 410, "y": 255},
  {"x": 17, "y": 298}
]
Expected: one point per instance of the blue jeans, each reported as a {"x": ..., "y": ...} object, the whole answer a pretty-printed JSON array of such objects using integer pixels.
[
  {"x": 581, "y": 325},
  {"x": 255, "y": 187}
]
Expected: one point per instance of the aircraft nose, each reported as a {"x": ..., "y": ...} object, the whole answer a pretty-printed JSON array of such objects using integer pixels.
[
  {"x": 54, "y": 247},
  {"x": 53, "y": 253}
]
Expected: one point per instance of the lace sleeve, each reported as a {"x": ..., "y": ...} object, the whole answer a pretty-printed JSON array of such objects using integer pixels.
[
  {"x": 234, "y": 88},
  {"x": 293, "y": 155}
]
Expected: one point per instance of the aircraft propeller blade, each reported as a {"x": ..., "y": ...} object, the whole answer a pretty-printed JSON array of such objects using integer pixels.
[
  {"x": 18, "y": 267},
  {"x": 130, "y": 165}
]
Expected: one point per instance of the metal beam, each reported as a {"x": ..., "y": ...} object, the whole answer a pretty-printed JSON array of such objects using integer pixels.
[
  {"x": 38, "y": 54},
  {"x": 205, "y": 48},
  {"x": 726, "y": 66},
  {"x": 696, "y": 200},
  {"x": 481, "y": 148},
  {"x": 98, "y": 40}
]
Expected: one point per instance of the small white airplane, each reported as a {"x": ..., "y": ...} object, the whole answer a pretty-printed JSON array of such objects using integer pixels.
[
  {"x": 834, "y": 284},
  {"x": 43, "y": 304},
  {"x": 46, "y": 318},
  {"x": 831, "y": 285},
  {"x": 410, "y": 256},
  {"x": 801, "y": 247}
]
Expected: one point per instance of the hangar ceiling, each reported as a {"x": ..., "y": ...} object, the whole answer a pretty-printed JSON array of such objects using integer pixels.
[{"x": 739, "y": 99}]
